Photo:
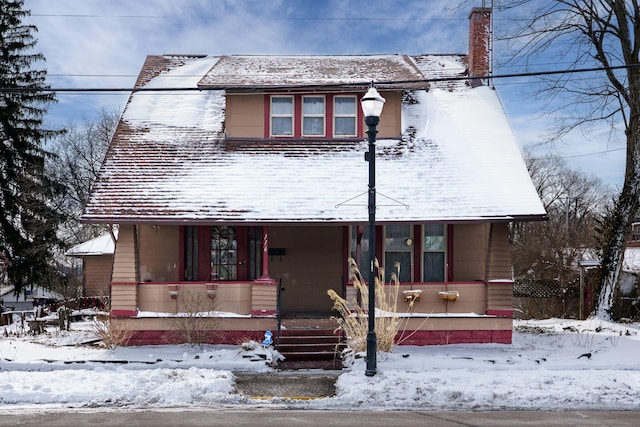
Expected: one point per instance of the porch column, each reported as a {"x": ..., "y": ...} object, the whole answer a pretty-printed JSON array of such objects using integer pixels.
[
  {"x": 264, "y": 278},
  {"x": 264, "y": 293},
  {"x": 125, "y": 274}
]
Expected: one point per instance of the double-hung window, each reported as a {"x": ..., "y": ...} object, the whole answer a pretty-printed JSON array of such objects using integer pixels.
[
  {"x": 434, "y": 246},
  {"x": 398, "y": 251},
  {"x": 345, "y": 115},
  {"x": 313, "y": 116},
  {"x": 281, "y": 116}
]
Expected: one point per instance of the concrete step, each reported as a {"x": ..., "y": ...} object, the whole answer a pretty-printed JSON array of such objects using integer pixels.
[{"x": 310, "y": 349}]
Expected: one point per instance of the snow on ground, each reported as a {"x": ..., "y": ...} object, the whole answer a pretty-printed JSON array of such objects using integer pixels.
[{"x": 552, "y": 364}]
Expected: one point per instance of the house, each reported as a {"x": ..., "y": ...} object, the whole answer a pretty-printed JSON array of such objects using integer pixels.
[
  {"x": 97, "y": 261},
  {"x": 28, "y": 299},
  {"x": 232, "y": 178}
]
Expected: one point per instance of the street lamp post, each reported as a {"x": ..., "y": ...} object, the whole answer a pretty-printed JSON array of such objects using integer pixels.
[{"x": 372, "y": 104}]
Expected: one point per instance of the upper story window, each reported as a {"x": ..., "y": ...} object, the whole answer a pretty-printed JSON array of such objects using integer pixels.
[
  {"x": 313, "y": 116},
  {"x": 345, "y": 114},
  {"x": 282, "y": 116}
]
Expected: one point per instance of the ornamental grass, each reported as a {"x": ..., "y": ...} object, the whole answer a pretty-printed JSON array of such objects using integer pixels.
[{"x": 354, "y": 320}]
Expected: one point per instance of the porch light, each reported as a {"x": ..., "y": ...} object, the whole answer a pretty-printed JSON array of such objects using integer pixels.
[{"x": 372, "y": 104}]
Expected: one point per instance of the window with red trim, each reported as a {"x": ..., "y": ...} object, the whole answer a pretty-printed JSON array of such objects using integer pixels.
[{"x": 312, "y": 116}]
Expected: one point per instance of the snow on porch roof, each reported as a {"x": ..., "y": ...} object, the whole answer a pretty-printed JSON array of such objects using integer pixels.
[
  {"x": 101, "y": 245},
  {"x": 263, "y": 72},
  {"x": 169, "y": 162}
]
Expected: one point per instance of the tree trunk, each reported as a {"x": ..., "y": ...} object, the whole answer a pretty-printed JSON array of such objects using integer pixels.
[{"x": 625, "y": 211}]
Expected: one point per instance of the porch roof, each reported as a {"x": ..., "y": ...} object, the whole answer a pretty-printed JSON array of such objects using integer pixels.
[{"x": 169, "y": 162}]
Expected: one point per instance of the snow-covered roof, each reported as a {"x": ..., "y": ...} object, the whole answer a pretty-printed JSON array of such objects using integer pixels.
[
  {"x": 101, "y": 245},
  {"x": 274, "y": 71},
  {"x": 169, "y": 161}
]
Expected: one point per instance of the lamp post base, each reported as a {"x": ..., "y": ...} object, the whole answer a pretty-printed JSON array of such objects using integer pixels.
[{"x": 371, "y": 354}]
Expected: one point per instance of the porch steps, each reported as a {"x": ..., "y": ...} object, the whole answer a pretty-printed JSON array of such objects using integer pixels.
[{"x": 308, "y": 348}]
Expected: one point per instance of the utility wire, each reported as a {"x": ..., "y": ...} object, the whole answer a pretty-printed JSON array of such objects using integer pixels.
[{"x": 316, "y": 86}]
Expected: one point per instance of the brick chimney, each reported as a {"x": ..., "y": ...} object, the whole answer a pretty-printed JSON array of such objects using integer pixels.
[{"x": 479, "y": 41}]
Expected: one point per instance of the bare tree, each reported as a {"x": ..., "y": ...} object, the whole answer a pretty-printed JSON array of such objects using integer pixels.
[
  {"x": 583, "y": 33},
  {"x": 79, "y": 154},
  {"x": 574, "y": 202}
]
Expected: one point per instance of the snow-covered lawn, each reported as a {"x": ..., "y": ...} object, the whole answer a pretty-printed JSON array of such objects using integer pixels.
[{"x": 552, "y": 364}]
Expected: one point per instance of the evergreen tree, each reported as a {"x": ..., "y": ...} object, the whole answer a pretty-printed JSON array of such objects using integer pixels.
[{"x": 28, "y": 222}]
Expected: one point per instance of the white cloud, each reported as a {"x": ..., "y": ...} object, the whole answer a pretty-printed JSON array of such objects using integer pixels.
[{"x": 98, "y": 43}]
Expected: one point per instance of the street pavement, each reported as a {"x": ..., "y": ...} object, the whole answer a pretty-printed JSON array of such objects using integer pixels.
[{"x": 282, "y": 418}]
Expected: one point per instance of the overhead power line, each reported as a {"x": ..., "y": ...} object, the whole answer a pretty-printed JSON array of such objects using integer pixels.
[{"x": 315, "y": 86}]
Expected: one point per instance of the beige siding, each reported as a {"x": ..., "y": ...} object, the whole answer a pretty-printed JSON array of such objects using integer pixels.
[
  {"x": 264, "y": 297},
  {"x": 245, "y": 116},
  {"x": 312, "y": 265},
  {"x": 470, "y": 247},
  {"x": 125, "y": 263},
  {"x": 500, "y": 295},
  {"x": 97, "y": 275},
  {"x": 193, "y": 297},
  {"x": 499, "y": 264},
  {"x": 123, "y": 297},
  {"x": 390, "y": 125},
  {"x": 158, "y": 253}
]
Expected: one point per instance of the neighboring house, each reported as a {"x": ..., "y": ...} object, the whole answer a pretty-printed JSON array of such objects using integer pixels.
[
  {"x": 97, "y": 262},
  {"x": 28, "y": 298},
  {"x": 254, "y": 175}
]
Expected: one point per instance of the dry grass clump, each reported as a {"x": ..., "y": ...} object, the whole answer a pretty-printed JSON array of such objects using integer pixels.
[
  {"x": 353, "y": 318},
  {"x": 111, "y": 331}
]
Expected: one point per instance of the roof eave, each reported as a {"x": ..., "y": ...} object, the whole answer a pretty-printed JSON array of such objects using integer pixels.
[{"x": 130, "y": 220}]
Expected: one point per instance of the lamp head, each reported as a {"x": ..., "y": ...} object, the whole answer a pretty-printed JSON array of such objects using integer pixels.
[{"x": 372, "y": 103}]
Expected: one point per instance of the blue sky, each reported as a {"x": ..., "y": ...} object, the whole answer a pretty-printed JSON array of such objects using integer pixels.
[{"x": 103, "y": 43}]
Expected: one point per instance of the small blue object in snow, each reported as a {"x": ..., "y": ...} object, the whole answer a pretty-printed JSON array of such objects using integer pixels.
[{"x": 268, "y": 340}]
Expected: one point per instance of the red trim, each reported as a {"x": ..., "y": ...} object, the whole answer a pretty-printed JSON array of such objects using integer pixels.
[
  {"x": 153, "y": 337},
  {"x": 204, "y": 253},
  {"x": 500, "y": 313},
  {"x": 346, "y": 239},
  {"x": 267, "y": 116},
  {"x": 297, "y": 116},
  {"x": 417, "y": 253},
  {"x": 449, "y": 259},
  {"x": 379, "y": 243},
  {"x": 455, "y": 337},
  {"x": 181, "y": 253},
  {"x": 124, "y": 313},
  {"x": 328, "y": 115}
]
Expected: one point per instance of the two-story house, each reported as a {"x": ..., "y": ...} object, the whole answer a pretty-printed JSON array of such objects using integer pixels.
[{"x": 230, "y": 175}]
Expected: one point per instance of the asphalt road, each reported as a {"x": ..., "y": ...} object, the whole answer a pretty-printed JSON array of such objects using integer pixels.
[{"x": 280, "y": 418}]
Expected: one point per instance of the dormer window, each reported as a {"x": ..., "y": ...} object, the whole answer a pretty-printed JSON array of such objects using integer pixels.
[
  {"x": 345, "y": 114},
  {"x": 282, "y": 116},
  {"x": 312, "y": 116}
]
